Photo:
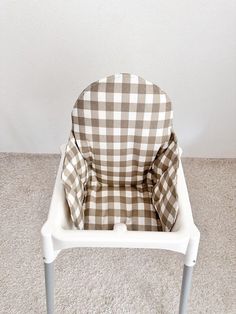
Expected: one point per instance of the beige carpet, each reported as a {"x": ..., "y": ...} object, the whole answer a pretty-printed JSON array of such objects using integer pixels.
[{"x": 115, "y": 280}]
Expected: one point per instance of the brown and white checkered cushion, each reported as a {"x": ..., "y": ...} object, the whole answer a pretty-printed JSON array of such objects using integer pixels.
[
  {"x": 121, "y": 127},
  {"x": 107, "y": 205}
]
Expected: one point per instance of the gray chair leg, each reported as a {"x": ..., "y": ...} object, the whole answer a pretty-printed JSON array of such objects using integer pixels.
[
  {"x": 185, "y": 290},
  {"x": 49, "y": 284}
]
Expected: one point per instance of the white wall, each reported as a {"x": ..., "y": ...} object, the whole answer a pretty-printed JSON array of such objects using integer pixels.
[{"x": 51, "y": 50}]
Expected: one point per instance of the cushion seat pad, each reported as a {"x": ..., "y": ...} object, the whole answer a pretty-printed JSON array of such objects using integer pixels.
[
  {"x": 104, "y": 206},
  {"x": 122, "y": 157}
]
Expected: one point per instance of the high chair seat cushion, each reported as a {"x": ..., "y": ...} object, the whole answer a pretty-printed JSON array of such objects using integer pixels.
[
  {"x": 122, "y": 139},
  {"x": 106, "y": 206}
]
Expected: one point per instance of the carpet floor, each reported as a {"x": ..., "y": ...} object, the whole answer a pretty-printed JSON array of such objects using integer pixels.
[{"x": 101, "y": 281}]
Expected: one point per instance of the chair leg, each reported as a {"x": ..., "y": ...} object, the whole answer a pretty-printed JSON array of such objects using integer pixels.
[
  {"x": 49, "y": 284},
  {"x": 185, "y": 290}
]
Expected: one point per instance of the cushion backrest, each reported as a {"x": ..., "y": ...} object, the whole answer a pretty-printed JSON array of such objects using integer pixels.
[{"x": 119, "y": 124}]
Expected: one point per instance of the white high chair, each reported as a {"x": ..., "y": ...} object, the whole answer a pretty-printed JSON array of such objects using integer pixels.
[{"x": 59, "y": 233}]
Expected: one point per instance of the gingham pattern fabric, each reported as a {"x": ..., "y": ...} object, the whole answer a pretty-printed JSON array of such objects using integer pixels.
[
  {"x": 119, "y": 125},
  {"x": 163, "y": 175},
  {"x": 107, "y": 205},
  {"x": 75, "y": 176}
]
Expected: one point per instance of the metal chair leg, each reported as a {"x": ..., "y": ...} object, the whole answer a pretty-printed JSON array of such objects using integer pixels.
[
  {"x": 49, "y": 284},
  {"x": 185, "y": 290}
]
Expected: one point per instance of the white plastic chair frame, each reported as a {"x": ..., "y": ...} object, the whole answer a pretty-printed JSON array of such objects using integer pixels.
[{"x": 58, "y": 233}]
